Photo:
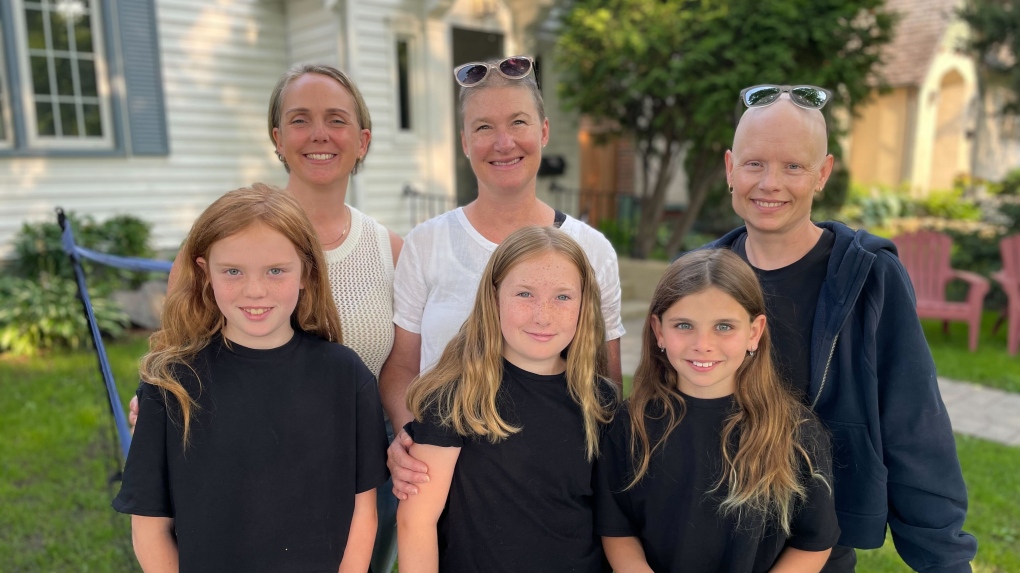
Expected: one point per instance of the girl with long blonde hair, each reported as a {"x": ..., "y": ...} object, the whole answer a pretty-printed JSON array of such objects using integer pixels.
[
  {"x": 713, "y": 465},
  {"x": 509, "y": 420},
  {"x": 260, "y": 440}
]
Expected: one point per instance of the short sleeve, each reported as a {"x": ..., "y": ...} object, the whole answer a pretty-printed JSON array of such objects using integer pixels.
[
  {"x": 608, "y": 275},
  {"x": 429, "y": 431},
  {"x": 410, "y": 291},
  {"x": 371, "y": 444},
  {"x": 611, "y": 471},
  {"x": 145, "y": 489},
  {"x": 814, "y": 527}
]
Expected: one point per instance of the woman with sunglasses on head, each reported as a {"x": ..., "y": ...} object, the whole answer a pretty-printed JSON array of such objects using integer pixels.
[
  {"x": 321, "y": 129},
  {"x": 504, "y": 131},
  {"x": 847, "y": 336}
]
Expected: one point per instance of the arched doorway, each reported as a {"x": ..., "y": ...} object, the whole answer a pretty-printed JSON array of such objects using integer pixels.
[{"x": 950, "y": 131}]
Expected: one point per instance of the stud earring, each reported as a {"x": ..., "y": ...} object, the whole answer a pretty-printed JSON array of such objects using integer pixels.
[{"x": 662, "y": 349}]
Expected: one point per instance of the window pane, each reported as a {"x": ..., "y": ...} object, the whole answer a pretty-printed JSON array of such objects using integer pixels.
[
  {"x": 93, "y": 121},
  {"x": 40, "y": 75},
  {"x": 58, "y": 31},
  {"x": 83, "y": 34},
  {"x": 34, "y": 23},
  {"x": 44, "y": 118},
  {"x": 65, "y": 77},
  {"x": 68, "y": 119},
  {"x": 87, "y": 76},
  {"x": 404, "y": 84}
]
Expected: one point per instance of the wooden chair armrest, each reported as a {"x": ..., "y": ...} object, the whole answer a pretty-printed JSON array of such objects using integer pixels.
[
  {"x": 1010, "y": 284},
  {"x": 979, "y": 285}
]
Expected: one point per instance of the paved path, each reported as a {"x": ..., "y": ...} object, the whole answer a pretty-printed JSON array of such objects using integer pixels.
[{"x": 974, "y": 410}]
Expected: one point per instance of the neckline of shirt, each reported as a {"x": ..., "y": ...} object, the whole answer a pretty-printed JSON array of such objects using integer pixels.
[
  {"x": 353, "y": 236},
  {"x": 479, "y": 238},
  {"x": 522, "y": 373},
  {"x": 260, "y": 353}
]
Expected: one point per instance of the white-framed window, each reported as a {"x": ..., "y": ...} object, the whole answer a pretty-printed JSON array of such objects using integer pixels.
[
  {"x": 81, "y": 78},
  {"x": 65, "y": 96},
  {"x": 6, "y": 134}
]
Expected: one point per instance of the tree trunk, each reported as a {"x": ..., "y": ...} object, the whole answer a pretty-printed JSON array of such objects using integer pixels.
[
  {"x": 698, "y": 186},
  {"x": 653, "y": 206},
  {"x": 698, "y": 193}
]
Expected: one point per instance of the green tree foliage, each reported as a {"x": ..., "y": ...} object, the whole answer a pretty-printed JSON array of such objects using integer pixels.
[
  {"x": 994, "y": 43},
  {"x": 668, "y": 74}
]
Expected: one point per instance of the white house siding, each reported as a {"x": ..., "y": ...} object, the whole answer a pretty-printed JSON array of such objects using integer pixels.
[
  {"x": 220, "y": 61},
  {"x": 313, "y": 34},
  {"x": 396, "y": 156}
]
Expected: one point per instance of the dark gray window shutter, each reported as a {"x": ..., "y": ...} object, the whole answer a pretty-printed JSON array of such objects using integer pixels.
[{"x": 143, "y": 78}]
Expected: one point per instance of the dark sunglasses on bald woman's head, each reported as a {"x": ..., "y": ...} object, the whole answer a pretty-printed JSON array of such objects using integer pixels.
[
  {"x": 810, "y": 97},
  {"x": 513, "y": 68}
]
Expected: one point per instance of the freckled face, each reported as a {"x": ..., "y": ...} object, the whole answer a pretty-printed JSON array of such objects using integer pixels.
[
  {"x": 777, "y": 164},
  {"x": 706, "y": 336},
  {"x": 256, "y": 279},
  {"x": 539, "y": 304},
  {"x": 319, "y": 135},
  {"x": 503, "y": 137}
]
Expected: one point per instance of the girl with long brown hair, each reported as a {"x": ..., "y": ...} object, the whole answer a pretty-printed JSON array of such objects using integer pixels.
[
  {"x": 713, "y": 465},
  {"x": 509, "y": 420},
  {"x": 260, "y": 440}
]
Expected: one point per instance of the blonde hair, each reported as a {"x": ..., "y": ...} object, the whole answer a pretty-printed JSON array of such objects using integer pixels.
[
  {"x": 190, "y": 316},
  {"x": 462, "y": 388},
  {"x": 496, "y": 80},
  {"x": 764, "y": 445},
  {"x": 276, "y": 102}
]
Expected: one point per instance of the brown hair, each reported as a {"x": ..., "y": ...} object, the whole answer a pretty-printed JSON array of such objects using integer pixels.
[
  {"x": 463, "y": 386},
  {"x": 496, "y": 80},
  {"x": 764, "y": 445},
  {"x": 190, "y": 316},
  {"x": 276, "y": 101}
]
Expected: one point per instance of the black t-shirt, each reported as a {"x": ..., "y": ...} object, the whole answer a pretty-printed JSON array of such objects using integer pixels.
[
  {"x": 677, "y": 520},
  {"x": 281, "y": 442},
  {"x": 524, "y": 503},
  {"x": 791, "y": 297}
]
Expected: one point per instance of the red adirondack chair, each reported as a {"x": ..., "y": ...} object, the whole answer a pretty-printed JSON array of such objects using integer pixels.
[
  {"x": 1009, "y": 278},
  {"x": 925, "y": 254}
]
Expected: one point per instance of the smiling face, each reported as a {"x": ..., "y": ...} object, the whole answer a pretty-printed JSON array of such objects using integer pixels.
[
  {"x": 503, "y": 137},
  {"x": 706, "y": 336},
  {"x": 777, "y": 164},
  {"x": 256, "y": 279},
  {"x": 319, "y": 135},
  {"x": 539, "y": 304}
]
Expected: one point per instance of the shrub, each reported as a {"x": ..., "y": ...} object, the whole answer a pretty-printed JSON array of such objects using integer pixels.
[
  {"x": 949, "y": 205},
  {"x": 45, "y": 315},
  {"x": 39, "y": 306},
  {"x": 41, "y": 255}
]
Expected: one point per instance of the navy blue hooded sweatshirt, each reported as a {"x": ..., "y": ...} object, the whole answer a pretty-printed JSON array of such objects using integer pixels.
[{"x": 873, "y": 385}]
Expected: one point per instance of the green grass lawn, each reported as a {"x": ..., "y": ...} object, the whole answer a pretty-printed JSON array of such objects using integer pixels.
[
  {"x": 990, "y": 365},
  {"x": 58, "y": 453}
]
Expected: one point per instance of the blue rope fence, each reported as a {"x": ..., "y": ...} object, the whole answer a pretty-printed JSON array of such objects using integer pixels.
[{"x": 77, "y": 254}]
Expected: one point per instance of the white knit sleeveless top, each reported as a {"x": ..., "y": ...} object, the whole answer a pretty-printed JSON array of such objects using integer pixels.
[{"x": 361, "y": 278}]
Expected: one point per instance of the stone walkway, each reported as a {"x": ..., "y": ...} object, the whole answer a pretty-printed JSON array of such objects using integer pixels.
[{"x": 974, "y": 410}]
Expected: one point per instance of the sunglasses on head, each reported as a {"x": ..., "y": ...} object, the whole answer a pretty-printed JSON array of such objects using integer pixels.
[
  {"x": 513, "y": 68},
  {"x": 810, "y": 97}
]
